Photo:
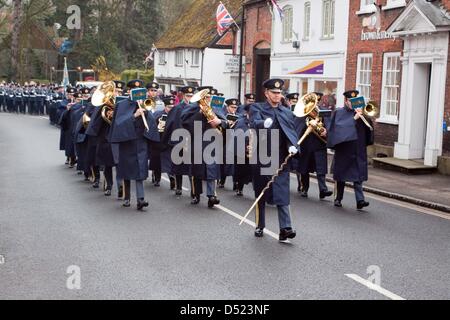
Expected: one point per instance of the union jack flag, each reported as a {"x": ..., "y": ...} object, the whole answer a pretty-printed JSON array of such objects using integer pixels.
[
  {"x": 224, "y": 19},
  {"x": 277, "y": 7}
]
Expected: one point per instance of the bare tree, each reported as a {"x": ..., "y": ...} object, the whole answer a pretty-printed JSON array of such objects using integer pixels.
[{"x": 17, "y": 21}]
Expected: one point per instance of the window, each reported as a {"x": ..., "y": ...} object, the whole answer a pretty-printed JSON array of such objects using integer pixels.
[
  {"x": 364, "y": 75},
  {"x": 391, "y": 87},
  {"x": 179, "y": 58},
  {"x": 393, "y": 4},
  {"x": 307, "y": 21},
  {"x": 328, "y": 19},
  {"x": 287, "y": 24},
  {"x": 162, "y": 57},
  {"x": 195, "y": 58},
  {"x": 367, "y": 6}
]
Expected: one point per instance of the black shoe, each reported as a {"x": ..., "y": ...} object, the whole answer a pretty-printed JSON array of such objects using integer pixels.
[
  {"x": 195, "y": 200},
  {"x": 96, "y": 185},
  {"x": 120, "y": 193},
  {"x": 213, "y": 201},
  {"x": 178, "y": 193},
  {"x": 304, "y": 194},
  {"x": 221, "y": 185},
  {"x": 142, "y": 204},
  {"x": 259, "y": 233},
  {"x": 239, "y": 193},
  {"x": 172, "y": 183},
  {"x": 157, "y": 184},
  {"x": 108, "y": 193},
  {"x": 362, "y": 204},
  {"x": 127, "y": 203},
  {"x": 338, "y": 203},
  {"x": 325, "y": 194},
  {"x": 286, "y": 234}
]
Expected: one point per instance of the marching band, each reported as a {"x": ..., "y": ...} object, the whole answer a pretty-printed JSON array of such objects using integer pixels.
[{"x": 105, "y": 128}]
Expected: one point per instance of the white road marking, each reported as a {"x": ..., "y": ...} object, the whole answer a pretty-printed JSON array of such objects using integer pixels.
[
  {"x": 236, "y": 215},
  {"x": 374, "y": 287},
  {"x": 272, "y": 234}
]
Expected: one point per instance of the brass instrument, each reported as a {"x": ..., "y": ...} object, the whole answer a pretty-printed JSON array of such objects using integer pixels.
[
  {"x": 206, "y": 108},
  {"x": 162, "y": 123},
  {"x": 86, "y": 120},
  {"x": 150, "y": 104},
  {"x": 371, "y": 110},
  {"x": 105, "y": 97},
  {"x": 308, "y": 107}
]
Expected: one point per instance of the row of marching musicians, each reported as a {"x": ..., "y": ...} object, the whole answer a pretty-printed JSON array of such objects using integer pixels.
[{"x": 101, "y": 132}]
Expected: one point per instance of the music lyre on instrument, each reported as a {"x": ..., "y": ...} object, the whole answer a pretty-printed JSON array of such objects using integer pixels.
[
  {"x": 307, "y": 107},
  {"x": 370, "y": 110},
  {"x": 139, "y": 96}
]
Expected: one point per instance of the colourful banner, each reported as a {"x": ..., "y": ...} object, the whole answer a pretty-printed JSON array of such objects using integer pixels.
[{"x": 315, "y": 67}]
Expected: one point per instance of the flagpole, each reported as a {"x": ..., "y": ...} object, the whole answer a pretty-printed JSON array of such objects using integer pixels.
[{"x": 241, "y": 52}]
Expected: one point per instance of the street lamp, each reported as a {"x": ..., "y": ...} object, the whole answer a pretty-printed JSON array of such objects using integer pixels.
[
  {"x": 80, "y": 73},
  {"x": 52, "y": 69}
]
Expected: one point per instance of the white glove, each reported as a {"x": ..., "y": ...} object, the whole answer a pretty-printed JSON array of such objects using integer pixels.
[
  {"x": 268, "y": 123},
  {"x": 293, "y": 150}
]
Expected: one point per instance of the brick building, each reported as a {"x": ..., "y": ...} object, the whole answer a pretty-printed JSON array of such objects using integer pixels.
[
  {"x": 257, "y": 44},
  {"x": 398, "y": 57},
  {"x": 368, "y": 49}
]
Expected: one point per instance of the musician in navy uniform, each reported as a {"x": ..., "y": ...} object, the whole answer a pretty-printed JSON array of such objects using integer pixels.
[
  {"x": 349, "y": 137},
  {"x": 131, "y": 137},
  {"x": 230, "y": 113},
  {"x": 250, "y": 98},
  {"x": 209, "y": 172},
  {"x": 242, "y": 168},
  {"x": 314, "y": 156},
  {"x": 68, "y": 126},
  {"x": 173, "y": 123},
  {"x": 271, "y": 115}
]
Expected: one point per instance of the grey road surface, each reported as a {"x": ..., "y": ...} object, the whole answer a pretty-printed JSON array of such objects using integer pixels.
[{"x": 52, "y": 225}]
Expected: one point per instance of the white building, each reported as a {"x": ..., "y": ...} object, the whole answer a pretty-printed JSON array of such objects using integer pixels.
[
  {"x": 192, "y": 53},
  {"x": 309, "y": 47}
]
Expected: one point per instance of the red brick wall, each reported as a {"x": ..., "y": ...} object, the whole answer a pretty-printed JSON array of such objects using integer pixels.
[
  {"x": 385, "y": 134},
  {"x": 258, "y": 28}
]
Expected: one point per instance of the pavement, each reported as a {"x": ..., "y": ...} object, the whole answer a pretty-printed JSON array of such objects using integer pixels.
[
  {"x": 427, "y": 190},
  {"x": 54, "y": 226}
]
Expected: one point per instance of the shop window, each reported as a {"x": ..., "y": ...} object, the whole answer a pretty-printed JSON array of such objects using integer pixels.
[{"x": 329, "y": 90}]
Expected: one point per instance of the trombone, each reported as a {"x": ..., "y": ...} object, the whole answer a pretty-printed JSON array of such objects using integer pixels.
[{"x": 371, "y": 110}]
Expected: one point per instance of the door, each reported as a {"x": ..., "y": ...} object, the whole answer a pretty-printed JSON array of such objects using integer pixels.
[
  {"x": 421, "y": 89},
  {"x": 262, "y": 71}
]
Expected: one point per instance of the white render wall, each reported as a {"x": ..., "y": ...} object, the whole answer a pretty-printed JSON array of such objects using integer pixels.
[
  {"x": 331, "y": 51},
  {"x": 214, "y": 71}
]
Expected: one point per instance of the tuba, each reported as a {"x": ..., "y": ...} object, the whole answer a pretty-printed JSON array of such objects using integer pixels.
[
  {"x": 105, "y": 97},
  {"x": 207, "y": 110}
]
